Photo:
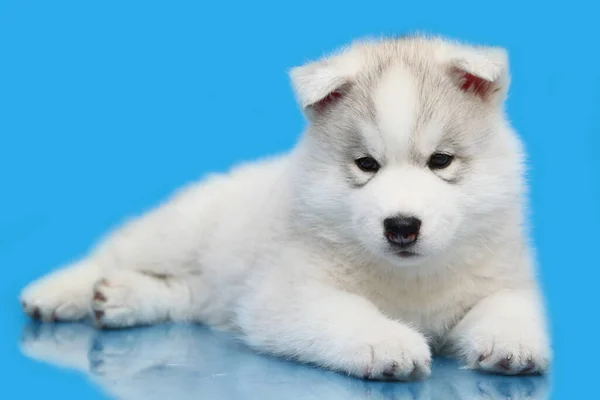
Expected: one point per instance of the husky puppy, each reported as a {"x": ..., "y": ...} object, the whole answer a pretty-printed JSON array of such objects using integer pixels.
[{"x": 394, "y": 229}]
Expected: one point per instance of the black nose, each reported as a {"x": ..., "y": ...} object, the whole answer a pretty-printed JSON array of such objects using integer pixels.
[{"x": 402, "y": 231}]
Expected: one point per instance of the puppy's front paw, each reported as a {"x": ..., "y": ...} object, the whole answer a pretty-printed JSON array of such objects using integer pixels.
[
  {"x": 513, "y": 348},
  {"x": 395, "y": 354},
  {"x": 113, "y": 303}
]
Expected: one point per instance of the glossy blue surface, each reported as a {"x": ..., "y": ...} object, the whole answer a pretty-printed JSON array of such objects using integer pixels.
[
  {"x": 191, "y": 362},
  {"x": 108, "y": 106}
]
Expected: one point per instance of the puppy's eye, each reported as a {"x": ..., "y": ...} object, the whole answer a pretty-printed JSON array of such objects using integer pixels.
[
  {"x": 440, "y": 160},
  {"x": 368, "y": 164}
]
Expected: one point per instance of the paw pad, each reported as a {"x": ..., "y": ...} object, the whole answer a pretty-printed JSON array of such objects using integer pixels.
[
  {"x": 98, "y": 296},
  {"x": 98, "y": 314},
  {"x": 35, "y": 314},
  {"x": 505, "y": 363},
  {"x": 390, "y": 372}
]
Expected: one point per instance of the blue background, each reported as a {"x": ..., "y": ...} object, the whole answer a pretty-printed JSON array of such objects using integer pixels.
[{"x": 108, "y": 106}]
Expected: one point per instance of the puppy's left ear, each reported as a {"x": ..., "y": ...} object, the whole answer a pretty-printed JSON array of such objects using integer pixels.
[
  {"x": 319, "y": 85},
  {"x": 481, "y": 72}
]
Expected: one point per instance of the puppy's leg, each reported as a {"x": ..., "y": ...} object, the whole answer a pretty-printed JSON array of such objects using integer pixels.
[
  {"x": 136, "y": 271},
  {"x": 335, "y": 330},
  {"x": 127, "y": 298},
  {"x": 63, "y": 295},
  {"x": 504, "y": 333}
]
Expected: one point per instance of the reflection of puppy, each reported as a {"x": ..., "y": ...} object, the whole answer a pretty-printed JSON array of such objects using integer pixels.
[
  {"x": 191, "y": 362},
  {"x": 394, "y": 226}
]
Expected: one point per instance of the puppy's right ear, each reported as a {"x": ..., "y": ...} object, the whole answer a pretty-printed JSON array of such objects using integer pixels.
[{"x": 320, "y": 84}]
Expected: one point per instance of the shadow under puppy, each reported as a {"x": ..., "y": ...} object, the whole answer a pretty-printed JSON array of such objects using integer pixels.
[{"x": 183, "y": 361}]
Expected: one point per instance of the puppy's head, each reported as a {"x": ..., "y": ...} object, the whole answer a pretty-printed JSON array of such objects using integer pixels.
[{"x": 408, "y": 154}]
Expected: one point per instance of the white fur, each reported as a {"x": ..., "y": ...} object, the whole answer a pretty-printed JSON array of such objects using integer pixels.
[
  {"x": 289, "y": 255},
  {"x": 314, "y": 81},
  {"x": 394, "y": 99},
  {"x": 486, "y": 62}
]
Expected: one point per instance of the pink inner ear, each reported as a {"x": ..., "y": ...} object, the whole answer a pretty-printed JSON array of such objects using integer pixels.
[
  {"x": 470, "y": 83},
  {"x": 328, "y": 100}
]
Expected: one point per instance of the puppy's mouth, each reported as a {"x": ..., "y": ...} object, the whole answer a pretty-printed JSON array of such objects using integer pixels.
[
  {"x": 404, "y": 254},
  {"x": 407, "y": 254}
]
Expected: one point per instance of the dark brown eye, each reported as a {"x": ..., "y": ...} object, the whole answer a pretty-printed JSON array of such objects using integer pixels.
[
  {"x": 440, "y": 160},
  {"x": 368, "y": 164}
]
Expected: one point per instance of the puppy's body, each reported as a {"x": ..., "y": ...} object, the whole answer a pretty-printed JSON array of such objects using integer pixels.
[{"x": 295, "y": 252}]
